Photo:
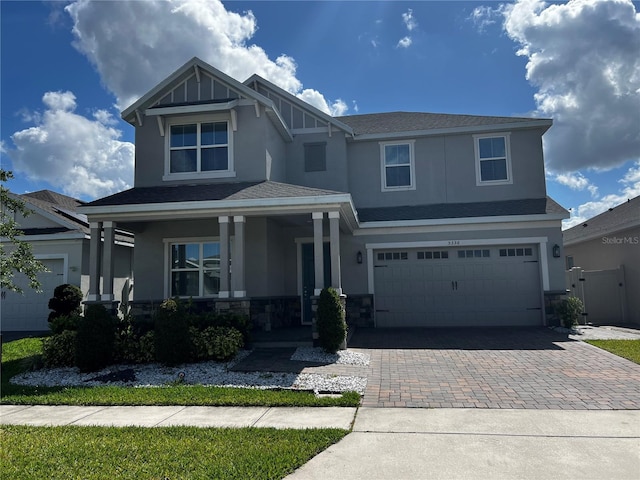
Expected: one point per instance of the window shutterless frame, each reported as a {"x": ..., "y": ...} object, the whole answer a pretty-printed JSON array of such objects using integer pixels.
[
  {"x": 198, "y": 146},
  {"x": 192, "y": 267},
  {"x": 397, "y": 166},
  {"x": 493, "y": 159}
]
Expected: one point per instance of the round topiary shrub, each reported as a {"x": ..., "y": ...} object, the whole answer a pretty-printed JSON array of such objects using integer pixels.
[
  {"x": 66, "y": 301},
  {"x": 332, "y": 328},
  {"x": 95, "y": 339},
  {"x": 172, "y": 341}
]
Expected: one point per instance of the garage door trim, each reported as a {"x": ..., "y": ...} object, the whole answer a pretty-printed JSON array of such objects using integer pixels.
[{"x": 540, "y": 241}]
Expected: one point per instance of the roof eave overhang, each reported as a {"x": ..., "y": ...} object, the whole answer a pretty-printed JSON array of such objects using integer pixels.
[
  {"x": 543, "y": 123},
  {"x": 618, "y": 230},
  {"x": 213, "y": 208},
  {"x": 466, "y": 220}
]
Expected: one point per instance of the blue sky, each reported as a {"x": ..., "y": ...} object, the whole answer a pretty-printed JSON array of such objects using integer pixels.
[{"x": 68, "y": 68}]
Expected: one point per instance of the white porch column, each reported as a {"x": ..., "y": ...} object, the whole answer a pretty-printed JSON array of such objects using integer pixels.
[
  {"x": 238, "y": 257},
  {"x": 334, "y": 239},
  {"x": 107, "y": 261},
  {"x": 318, "y": 250},
  {"x": 224, "y": 257},
  {"x": 95, "y": 250}
]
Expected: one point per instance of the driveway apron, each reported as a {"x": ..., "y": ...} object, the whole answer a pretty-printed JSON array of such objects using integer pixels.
[{"x": 529, "y": 368}]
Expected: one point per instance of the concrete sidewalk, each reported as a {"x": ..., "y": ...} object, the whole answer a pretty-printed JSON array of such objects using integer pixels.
[
  {"x": 409, "y": 443},
  {"x": 480, "y": 444},
  {"x": 237, "y": 417}
]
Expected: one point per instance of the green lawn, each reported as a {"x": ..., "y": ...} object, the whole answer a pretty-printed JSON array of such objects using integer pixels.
[
  {"x": 629, "y": 349},
  {"x": 20, "y": 355},
  {"x": 157, "y": 453}
]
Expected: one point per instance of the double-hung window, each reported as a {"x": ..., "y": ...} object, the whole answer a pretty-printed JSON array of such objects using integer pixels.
[
  {"x": 493, "y": 159},
  {"x": 194, "y": 269},
  {"x": 397, "y": 162},
  {"x": 197, "y": 149}
]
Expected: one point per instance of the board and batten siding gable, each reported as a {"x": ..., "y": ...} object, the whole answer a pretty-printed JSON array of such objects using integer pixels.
[{"x": 190, "y": 91}]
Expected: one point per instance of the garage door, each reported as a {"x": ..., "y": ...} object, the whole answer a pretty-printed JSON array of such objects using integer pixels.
[
  {"x": 437, "y": 287},
  {"x": 29, "y": 311}
]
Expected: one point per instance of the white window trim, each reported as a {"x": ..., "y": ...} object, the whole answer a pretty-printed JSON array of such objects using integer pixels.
[
  {"x": 383, "y": 167},
  {"x": 507, "y": 146},
  {"x": 167, "y": 263},
  {"x": 198, "y": 119}
]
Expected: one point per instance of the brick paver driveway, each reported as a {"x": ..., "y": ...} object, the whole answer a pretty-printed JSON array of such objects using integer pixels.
[{"x": 493, "y": 368}]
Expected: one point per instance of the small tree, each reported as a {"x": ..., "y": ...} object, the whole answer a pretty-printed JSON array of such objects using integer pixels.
[
  {"x": 570, "y": 310},
  {"x": 332, "y": 328},
  {"x": 19, "y": 259}
]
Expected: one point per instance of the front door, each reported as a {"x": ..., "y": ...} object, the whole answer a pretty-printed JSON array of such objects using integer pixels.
[{"x": 309, "y": 277}]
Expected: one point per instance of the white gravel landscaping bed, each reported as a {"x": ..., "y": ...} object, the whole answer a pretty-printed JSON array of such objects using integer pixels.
[
  {"x": 205, "y": 373},
  {"x": 343, "y": 357}
]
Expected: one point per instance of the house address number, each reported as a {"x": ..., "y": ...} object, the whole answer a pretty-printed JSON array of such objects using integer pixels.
[{"x": 453, "y": 242}]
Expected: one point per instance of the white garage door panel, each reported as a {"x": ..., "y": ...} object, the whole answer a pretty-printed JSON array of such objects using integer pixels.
[
  {"x": 29, "y": 312},
  {"x": 477, "y": 287}
]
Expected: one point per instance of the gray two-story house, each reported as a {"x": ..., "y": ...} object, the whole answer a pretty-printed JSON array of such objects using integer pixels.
[{"x": 247, "y": 197}]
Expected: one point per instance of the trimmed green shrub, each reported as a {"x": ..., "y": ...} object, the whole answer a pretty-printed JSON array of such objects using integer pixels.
[
  {"x": 66, "y": 301},
  {"x": 132, "y": 348},
  {"x": 233, "y": 320},
  {"x": 60, "y": 350},
  {"x": 64, "y": 322},
  {"x": 95, "y": 339},
  {"x": 332, "y": 328},
  {"x": 172, "y": 342},
  {"x": 569, "y": 311},
  {"x": 215, "y": 343}
]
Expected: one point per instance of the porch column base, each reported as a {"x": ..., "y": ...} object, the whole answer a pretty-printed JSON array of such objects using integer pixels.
[{"x": 110, "y": 305}]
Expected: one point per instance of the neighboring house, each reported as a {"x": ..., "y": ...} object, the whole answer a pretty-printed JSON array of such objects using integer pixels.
[
  {"x": 248, "y": 198},
  {"x": 59, "y": 238},
  {"x": 603, "y": 258}
]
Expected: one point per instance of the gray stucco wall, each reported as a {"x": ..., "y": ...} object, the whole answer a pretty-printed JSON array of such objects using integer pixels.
[
  {"x": 335, "y": 177},
  {"x": 258, "y": 152},
  {"x": 445, "y": 172}
]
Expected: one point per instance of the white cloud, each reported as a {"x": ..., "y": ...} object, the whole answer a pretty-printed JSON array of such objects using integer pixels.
[
  {"x": 584, "y": 59},
  {"x": 315, "y": 98},
  {"x": 409, "y": 20},
  {"x": 574, "y": 181},
  {"x": 630, "y": 188},
  {"x": 484, "y": 16},
  {"x": 153, "y": 38},
  {"x": 65, "y": 101},
  {"x": 404, "y": 42},
  {"x": 80, "y": 156}
]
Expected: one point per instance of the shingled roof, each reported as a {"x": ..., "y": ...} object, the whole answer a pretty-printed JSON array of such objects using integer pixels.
[
  {"x": 533, "y": 206},
  {"x": 208, "y": 192},
  {"x": 616, "y": 219},
  {"x": 64, "y": 208},
  {"x": 395, "y": 122}
]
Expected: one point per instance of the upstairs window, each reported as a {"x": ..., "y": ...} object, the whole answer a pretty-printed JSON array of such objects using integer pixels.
[
  {"x": 493, "y": 162},
  {"x": 397, "y": 166},
  {"x": 198, "y": 149}
]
